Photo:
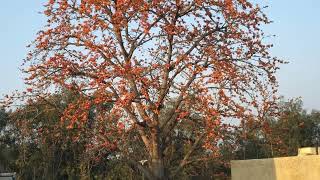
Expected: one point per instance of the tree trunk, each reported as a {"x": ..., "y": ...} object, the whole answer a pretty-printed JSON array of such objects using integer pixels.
[
  {"x": 157, "y": 163},
  {"x": 157, "y": 169}
]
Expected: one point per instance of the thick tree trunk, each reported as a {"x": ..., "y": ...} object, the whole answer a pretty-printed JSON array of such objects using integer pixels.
[
  {"x": 158, "y": 170},
  {"x": 157, "y": 166}
]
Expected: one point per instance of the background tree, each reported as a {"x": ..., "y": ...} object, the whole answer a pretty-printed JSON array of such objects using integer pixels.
[
  {"x": 207, "y": 57},
  {"x": 46, "y": 150},
  {"x": 8, "y": 147},
  {"x": 294, "y": 129},
  {"x": 278, "y": 136}
]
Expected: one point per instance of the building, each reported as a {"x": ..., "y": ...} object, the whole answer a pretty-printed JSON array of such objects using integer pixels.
[
  {"x": 7, "y": 176},
  {"x": 305, "y": 166}
]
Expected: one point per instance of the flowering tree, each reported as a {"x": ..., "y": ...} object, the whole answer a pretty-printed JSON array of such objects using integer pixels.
[{"x": 163, "y": 65}]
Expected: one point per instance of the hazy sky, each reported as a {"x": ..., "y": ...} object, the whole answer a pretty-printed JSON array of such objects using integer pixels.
[{"x": 296, "y": 24}]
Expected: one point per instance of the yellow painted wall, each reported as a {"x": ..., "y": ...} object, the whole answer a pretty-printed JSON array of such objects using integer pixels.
[{"x": 286, "y": 168}]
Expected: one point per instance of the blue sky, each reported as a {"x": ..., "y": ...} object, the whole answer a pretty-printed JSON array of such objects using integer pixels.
[{"x": 296, "y": 26}]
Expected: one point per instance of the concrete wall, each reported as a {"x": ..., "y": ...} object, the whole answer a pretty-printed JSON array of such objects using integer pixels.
[
  {"x": 286, "y": 168},
  {"x": 7, "y": 176}
]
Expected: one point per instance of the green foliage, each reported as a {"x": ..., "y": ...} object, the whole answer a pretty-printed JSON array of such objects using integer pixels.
[
  {"x": 8, "y": 150},
  {"x": 295, "y": 128},
  {"x": 292, "y": 129}
]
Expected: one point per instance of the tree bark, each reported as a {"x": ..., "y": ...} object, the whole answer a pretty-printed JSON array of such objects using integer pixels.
[{"x": 157, "y": 166}]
